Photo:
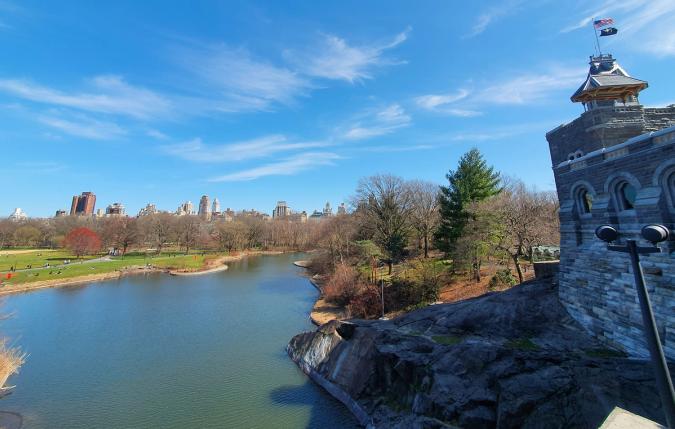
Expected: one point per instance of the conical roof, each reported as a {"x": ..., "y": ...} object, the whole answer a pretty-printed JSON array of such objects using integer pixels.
[{"x": 606, "y": 80}]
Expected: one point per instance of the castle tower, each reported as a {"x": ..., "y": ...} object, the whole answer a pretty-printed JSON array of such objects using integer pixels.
[{"x": 615, "y": 164}]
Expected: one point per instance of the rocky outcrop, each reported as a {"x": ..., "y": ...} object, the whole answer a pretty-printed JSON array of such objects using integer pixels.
[{"x": 506, "y": 360}]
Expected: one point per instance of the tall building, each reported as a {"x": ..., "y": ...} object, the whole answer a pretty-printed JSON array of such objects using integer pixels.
[
  {"x": 342, "y": 209},
  {"x": 60, "y": 213},
  {"x": 215, "y": 208},
  {"x": 83, "y": 204},
  {"x": 185, "y": 209},
  {"x": 281, "y": 210},
  {"x": 327, "y": 210},
  {"x": 204, "y": 212},
  {"x": 148, "y": 210},
  {"x": 18, "y": 215},
  {"x": 115, "y": 209},
  {"x": 615, "y": 164}
]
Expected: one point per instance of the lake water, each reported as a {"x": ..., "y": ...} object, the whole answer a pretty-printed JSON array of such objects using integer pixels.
[{"x": 159, "y": 351}]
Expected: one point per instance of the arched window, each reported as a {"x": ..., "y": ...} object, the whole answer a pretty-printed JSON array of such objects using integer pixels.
[
  {"x": 584, "y": 201},
  {"x": 670, "y": 187},
  {"x": 625, "y": 195}
]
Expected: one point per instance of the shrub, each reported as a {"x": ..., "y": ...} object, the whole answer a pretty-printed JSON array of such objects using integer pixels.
[
  {"x": 367, "y": 304},
  {"x": 419, "y": 284},
  {"x": 343, "y": 285},
  {"x": 502, "y": 279}
]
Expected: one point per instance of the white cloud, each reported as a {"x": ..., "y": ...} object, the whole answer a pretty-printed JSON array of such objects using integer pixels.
[
  {"x": 110, "y": 94},
  {"x": 521, "y": 89},
  {"x": 378, "y": 123},
  {"x": 287, "y": 167},
  {"x": 236, "y": 81},
  {"x": 196, "y": 150},
  {"x": 83, "y": 127},
  {"x": 156, "y": 134},
  {"x": 644, "y": 25},
  {"x": 333, "y": 58},
  {"x": 493, "y": 14}
]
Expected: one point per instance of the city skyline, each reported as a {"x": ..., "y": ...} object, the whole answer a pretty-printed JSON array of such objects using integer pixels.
[{"x": 244, "y": 101}]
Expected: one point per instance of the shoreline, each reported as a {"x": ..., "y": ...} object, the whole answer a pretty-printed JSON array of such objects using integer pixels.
[
  {"x": 132, "y": 270},
  {"x": 322, "y": 312}
]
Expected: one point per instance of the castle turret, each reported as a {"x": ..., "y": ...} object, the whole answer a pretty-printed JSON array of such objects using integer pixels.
[{"x": 608, "y": 84}]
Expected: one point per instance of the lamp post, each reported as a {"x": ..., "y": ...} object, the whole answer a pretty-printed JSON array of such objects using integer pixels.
[{"x": 654, "y": 234}]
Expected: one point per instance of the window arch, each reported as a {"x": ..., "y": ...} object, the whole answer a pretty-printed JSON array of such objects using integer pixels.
[
  {"x": 669, "y": 187},
  {"x": 583, "y": 200},
  {"x": 625, "y": 195}
]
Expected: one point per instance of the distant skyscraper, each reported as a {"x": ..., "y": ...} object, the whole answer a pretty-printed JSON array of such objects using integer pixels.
[
  {"x": 148, "y": 210},
  {"x": 83, "y": 204},
  {"x": 327, "y": 211},
  {"x": 60, "y": 213},
  {"x": 281, "y": 210},
  {"x": 18, "y": 215},
  {"x": 342, "y": 209},
  {"x": 204, "y": 208},
  {"x": 215, "y": 208},
  {"x": 115, "y": 209}
]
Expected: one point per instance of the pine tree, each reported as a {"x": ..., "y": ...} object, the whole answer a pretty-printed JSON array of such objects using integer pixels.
[{"x": 473, "y": 181}]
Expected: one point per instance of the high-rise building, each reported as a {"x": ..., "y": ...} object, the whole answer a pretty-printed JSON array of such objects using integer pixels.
[
  {"x": 327, "y": 210},
  {"x": 115, "y": 209},
  {"x": 83, "y": 204},
  {"x": 342, "y": 209},
  {"x": 60, "y": 213},
  {"x": 281, "y": 210},
  {"x": 148, "y": 210},
  {"x": 204, "y": 212},
  {"x": 18, "y": 215},
  {"x": 185, "y": 209},
  {"x": 215, "y": 208}
]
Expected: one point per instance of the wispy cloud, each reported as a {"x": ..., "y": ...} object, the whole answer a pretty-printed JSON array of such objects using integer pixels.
[
  {"x": 196, "y": 150},
  {"x": 38, "y": 167},
  {"x": 493, "y": 14},
  {"x": 333, "y": 58},
  {"x": 377, "y": 123},
  {"x": 287, "y": 167},
  {"x": 156, "y": 134},
  {"x": 110, "y": 94},
  {"x": 636, "y": 21},
  {"x": 234, "y": 80},
  {"x": 520, "y": 89},
  {"x": 81, "y": 126},
  {"x": 390, "y": 149}
]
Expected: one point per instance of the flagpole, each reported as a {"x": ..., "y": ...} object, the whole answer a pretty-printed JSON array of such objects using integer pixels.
[{"x": 597, "y": 40}]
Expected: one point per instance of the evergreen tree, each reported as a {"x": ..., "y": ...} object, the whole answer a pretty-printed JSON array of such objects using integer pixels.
[{"x": 472, "y": 182}]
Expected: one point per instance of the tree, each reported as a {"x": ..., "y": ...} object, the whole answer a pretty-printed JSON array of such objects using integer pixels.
[
  {"x": 232, "y": 235},
  {"x": 188, "y": 231},
  {"x": 120, "y": 233},
  {"x": 82, "y": 241},
  {"x": 529, "y": 219},
  {"x": 385, "y": 204},
  {"x": 473, "y": 181},
  {"x": 424, "y": 211},
  {"x": 27, "y": 235}
]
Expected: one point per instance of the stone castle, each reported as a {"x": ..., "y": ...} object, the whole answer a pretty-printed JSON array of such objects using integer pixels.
[{"x": 615, "y": 164}]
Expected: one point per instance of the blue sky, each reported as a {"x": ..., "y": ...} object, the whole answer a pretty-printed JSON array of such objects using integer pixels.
[{"x": 254, "y": 102}]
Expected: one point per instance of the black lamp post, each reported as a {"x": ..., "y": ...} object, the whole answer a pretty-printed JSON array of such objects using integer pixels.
[{"x": 654, "y": 234}]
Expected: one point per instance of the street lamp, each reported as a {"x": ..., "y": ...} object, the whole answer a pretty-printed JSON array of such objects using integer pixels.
[{"x": 654, "y": 234}]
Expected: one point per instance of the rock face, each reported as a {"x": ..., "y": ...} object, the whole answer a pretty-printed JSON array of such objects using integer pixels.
[{"x": 508, "y": 360}]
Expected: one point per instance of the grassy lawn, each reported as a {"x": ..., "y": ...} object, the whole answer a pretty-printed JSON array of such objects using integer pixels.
[
  {"x": 171, "y": 260},
  {"x": 37, "y": 258}
]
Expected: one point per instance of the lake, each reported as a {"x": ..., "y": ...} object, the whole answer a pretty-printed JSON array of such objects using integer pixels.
[{"x": 170, "y": 352}]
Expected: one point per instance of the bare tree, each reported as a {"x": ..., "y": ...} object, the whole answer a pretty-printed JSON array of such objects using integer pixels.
[
  {"x": 529, "y": 219},
  {"x": 385, "y": 203},
  {"x": 188, "y": 231},
  {"x": 424, "y": 210},
  {"x": 231, "y": 235}
]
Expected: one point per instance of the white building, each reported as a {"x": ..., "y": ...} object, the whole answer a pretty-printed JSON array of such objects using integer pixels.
[{"x": 18, "y": 215}]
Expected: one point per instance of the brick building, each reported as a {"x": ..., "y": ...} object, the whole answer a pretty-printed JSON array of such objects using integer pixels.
[
  {"x": 615, "y": 164},
  {"x": 83, "y": 204}
]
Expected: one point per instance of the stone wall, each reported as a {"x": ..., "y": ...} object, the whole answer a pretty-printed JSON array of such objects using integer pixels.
[{"x": 596, "y": 285}]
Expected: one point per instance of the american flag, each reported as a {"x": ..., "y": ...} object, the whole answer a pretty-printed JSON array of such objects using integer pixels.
[{"x": 602, "y": 22}]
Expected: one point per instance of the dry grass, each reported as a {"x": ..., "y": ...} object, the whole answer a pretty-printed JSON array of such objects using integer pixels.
[
  {"x": 461, "y": 287},
  {"x": 11, "y": 359}
]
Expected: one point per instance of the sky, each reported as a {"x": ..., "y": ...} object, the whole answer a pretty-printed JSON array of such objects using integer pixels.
[{"x": 253, "y": 102}]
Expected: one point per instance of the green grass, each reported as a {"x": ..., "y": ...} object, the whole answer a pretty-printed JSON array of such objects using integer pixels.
[
  {"x": 77, "y": 269},
  {"x": 448, "y": 340},
  {"x": 522, "y": 344},
  {"x": 37, "y": 258}
]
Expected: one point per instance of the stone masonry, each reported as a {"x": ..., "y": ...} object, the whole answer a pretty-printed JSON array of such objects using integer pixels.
[{"x": 615, "y": 165}]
